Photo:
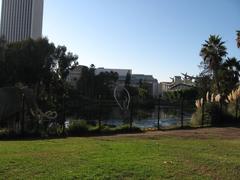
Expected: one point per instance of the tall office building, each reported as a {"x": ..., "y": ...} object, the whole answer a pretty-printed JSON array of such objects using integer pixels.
[{"x": 21, "y": 19}]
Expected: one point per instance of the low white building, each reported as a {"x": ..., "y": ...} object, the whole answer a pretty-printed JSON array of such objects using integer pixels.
[
  {"x": 149, "y": 80},
  {"x": 177, "y": 84}
]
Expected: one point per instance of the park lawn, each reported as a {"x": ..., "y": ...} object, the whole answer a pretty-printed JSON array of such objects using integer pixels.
[{"x": 120, "y": 158}]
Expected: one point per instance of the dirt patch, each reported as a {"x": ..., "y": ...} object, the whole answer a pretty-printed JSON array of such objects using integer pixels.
[{"x": 201, "y": 133}]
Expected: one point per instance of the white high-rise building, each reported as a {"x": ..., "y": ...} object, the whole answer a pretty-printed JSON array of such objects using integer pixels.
[{"x": 21, "y": 19}]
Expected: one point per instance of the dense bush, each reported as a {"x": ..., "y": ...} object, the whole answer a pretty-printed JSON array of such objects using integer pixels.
[
  {"x": 81, "y": 127},
  {"x": 78, "y": 128},
  {"x": 214, "y": 115},
  {"x": 5, "y": 133},
  {"x": 196, "y": 119},
  {"x": 54, "y": 129}
]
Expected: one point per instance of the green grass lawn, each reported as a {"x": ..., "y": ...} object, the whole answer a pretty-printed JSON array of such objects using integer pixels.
[{"x": 120, "y": 158}]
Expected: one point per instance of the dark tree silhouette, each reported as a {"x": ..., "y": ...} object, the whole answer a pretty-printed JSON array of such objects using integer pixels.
[{"x": 213, "y": 52}]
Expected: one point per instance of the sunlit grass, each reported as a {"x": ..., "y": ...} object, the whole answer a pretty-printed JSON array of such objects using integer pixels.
[{"x": 120, "y": 158}]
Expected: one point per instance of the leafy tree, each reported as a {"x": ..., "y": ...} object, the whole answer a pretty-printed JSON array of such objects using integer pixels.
[
  {"x": 38, "y": 64},
  {"x": 63, "y": 62},
  {"x": 93, "y": 90},
  {"x": 92, "y": 85},
  {"x": 66, "y": 61},
  {"x": 203, "y": 84},
  {"x": 43, "y": 67},
  {"x": 85, "y": 84},
  {"x": 144, "y": 90},
  {"x": 30, "y": 62},
  {"x": 105, "y": 83},
  {"x": 128, "y": 79},
  {"x": 172, "y": 96}
]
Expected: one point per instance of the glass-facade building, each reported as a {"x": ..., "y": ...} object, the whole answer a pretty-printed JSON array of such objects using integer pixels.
[{"x": 21, "y": 19}]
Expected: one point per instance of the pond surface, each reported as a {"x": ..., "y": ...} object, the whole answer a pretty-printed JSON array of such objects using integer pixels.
[{"x": 169, "y": 117}]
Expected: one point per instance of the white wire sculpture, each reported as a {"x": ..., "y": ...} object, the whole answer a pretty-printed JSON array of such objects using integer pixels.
[
  {"x": 47, "y": 116},
  {"x": 122, "y": 97}
]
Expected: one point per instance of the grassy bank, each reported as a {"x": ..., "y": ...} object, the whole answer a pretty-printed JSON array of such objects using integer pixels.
[{"x": 120, "y": 158}]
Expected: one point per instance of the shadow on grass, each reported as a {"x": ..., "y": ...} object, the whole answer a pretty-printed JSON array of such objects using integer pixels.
[
  {"x": 93, "y": 132},
  {"x": 96, "y": 132},
  {"x": 202, "y": 127}
]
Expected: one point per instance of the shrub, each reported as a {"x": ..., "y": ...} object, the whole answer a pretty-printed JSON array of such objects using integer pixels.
[
  {"x": 54, "y": 129},
  {"x": 4, "y": 133},
  {"x": 231, "y": 109},
  {"x": 126, "y": 129},
  {"x": 107, "y": 130},
  {"x": 76, "y": 128},
  {"x": 81, "y": 127},
  {"x": 213, "y": 115},
  {"x": 196, "y": 119}
]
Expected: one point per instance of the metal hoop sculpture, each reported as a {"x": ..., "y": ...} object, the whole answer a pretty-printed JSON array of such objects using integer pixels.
[
  {"x": 49, "y": 115},
  {"x": 118, "y": 91}
]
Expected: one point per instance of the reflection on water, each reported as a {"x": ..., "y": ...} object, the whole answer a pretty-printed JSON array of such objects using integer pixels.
[{"x": 169, "y": 116}]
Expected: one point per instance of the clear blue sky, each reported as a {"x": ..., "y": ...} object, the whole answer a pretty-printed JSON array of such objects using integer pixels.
[{"x": 158, "y": 37}]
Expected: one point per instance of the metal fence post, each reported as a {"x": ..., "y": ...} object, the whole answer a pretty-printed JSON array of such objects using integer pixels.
[
  {"x": 23, "y": 115},
  {"x": 236, "y": 110},
  {"x": 159, "y": 111},
  {"x": 131, "y": 115},
  {"x": 100, "y": 112},
  {"x": 64, "y": 113},
  {"x": 203, "y": 106},
  {"x": 182, "y": 99}
]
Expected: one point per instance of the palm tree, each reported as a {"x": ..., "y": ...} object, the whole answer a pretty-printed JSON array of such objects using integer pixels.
[
  {"x": 229, "y": 74},
  {"x": 213, "y": 51},
  {"x": 238, "y": 39},
  {"x": 233, "y": 65}
]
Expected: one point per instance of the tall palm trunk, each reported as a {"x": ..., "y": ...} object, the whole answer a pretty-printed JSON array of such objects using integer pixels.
[
  {"x": 216, "y": 81},
  {"x": 238, "y": 39}
]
